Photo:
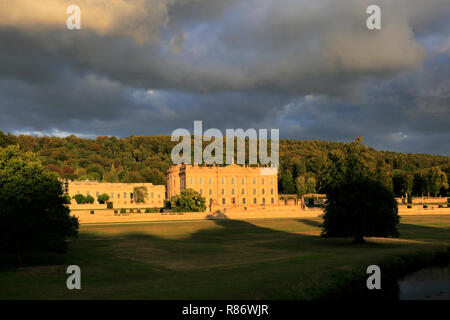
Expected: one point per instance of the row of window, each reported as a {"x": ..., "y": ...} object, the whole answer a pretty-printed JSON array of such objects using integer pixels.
[
  {"x": 233, "y": 180},
  {"x": 263, "y": 191},
  {"x": 244, "y": 201},
  {"x": 152, "y": 195}
]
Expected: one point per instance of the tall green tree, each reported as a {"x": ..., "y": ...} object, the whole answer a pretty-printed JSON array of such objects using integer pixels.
[
  {"x": 33, "y": 214},
  {"x": 188, "y": 200},
  {"x": 420, "y": 183},
  {"x": 437, "y": 180},
  {"x": 287, "y": 184},
  {"x": 305, "y": 184},
  {"x": 154, "y": 176},
  {"x": 358, "y": 204},
  {"x": 402, "y": 182}
]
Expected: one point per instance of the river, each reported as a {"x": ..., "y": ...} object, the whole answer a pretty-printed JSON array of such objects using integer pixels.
[{"x": 426, "y": 284}]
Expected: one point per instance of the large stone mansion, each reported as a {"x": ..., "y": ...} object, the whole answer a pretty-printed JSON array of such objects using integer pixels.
[
  {"x": 120, "y": 194},
  {"x": 229, "y": 186}
]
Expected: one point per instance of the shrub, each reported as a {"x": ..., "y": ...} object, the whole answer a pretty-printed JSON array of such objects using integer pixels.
[
  {"x": 131, "y": 210},
  {"x": 410, "y": 200},
  {"x": 441, "y": 206},
  {"x": 116, "y": 211},
  {"x": 103, "y": 198},
  {"x": 89, "y": 199},
  {"x": 109, "y": 205},
  {"x": 92, "y": 211},
  {"x": 151, "y": 210},
  {"x": 123, "y": 210},
  {"x": 79, "y": 198},
  {"x": 425, "y": 206},
  {"x": 188, "y": 200},
  {"x": 409, "y": 206},
  {"x": 138, "y": 210}
]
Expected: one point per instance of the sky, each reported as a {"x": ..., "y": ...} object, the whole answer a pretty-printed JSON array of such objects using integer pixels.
[{"x": 311, "y": 69}]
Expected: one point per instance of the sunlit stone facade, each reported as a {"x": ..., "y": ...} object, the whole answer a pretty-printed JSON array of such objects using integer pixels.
[
  {"x": 229, "y": 186},
  {"x": 120, "y": 194}
]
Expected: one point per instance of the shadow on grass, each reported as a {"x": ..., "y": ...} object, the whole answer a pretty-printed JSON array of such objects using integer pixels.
[
  {"x": 227, "y": 245},
  {"x": 311, "y": 223}
]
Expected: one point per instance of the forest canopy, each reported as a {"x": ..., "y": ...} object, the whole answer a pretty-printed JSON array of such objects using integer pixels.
[{"x": 146, "y": 159}]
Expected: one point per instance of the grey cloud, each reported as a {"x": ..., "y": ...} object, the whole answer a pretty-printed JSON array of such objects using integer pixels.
[{"x": 310, "y": 68}]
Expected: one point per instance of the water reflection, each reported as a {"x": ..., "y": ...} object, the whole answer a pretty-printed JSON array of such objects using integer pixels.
[{"x": 426, "y": 284}]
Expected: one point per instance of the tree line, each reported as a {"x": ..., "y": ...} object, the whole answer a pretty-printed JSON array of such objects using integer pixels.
[{"x": 302, "y": 163}]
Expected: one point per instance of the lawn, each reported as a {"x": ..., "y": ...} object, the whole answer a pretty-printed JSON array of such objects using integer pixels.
[{"x": 213, "y": 259}]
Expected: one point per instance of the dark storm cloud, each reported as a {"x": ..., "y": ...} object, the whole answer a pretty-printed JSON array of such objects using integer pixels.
[{"x": 310, "y": 68}]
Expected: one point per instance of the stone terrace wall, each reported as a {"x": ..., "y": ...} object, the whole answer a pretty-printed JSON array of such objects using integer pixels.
[{"x": 109, "y": 216}]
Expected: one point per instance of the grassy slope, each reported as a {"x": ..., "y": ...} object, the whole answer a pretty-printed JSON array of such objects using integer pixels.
[{"x": 254, "y": 259}]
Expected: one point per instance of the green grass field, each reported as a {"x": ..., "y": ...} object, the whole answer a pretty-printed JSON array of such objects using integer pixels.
[{"x": 213, "y": 259}]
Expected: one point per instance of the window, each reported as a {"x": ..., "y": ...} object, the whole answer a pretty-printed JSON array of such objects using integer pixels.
[
  {"x": 223, "y": 191},
  {"x": 262, "y": 181},
  {"x": 201, "y": 191},
  {"x": 124, "y": 195},
  {"x": 118, "y": 196},
  {"x": 232, "y": 180},
  {"x": 271, "y": 191},
  {"x": 152, "y": 194},
  {"x": 243, "y": 191},
  {"x": 223, "y": 200},
  {"x": 112, "y": 195},
  {"x": 272, "y": 200},
  {"x": 191, "y": 181},
  {"x": 210, "y": 191},
  {"x": 263, "y": 200},
  {"x": 243, "y": 200},
  {"x": 254, "y": 200},
  {"x": 210, "y": 180},
  {"x": 159, "y": 196},
  {"x": 271, "y": 180},
  {"x": 200, "y": 180},
  {"x": 254, "y": 191},
  {"x": 263, "y": 191},
  {"x": 243, "y": 181},
  {"x": 232, "y": 191},
  {"x": 223, "y": 180},
  {"x": 254, "y": 180},
  {"x": 96, "y": 194}
]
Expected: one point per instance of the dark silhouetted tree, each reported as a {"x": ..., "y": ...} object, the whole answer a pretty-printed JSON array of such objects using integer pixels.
[
  {"x": 358, "y": 204},
  {"x": 33, "y": 214}
]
